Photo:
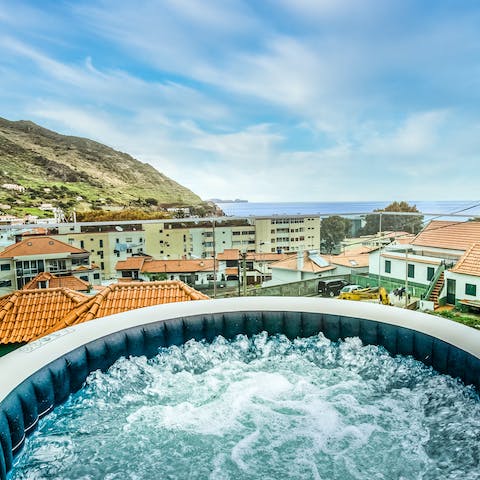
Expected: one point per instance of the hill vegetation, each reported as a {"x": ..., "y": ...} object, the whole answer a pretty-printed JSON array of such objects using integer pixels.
[{"x": 72, "y": 172}]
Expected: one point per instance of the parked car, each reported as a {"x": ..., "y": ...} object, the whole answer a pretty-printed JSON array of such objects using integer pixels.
[
  {"x": 350, "y": 288},
  {"x": 331, "y": 287}
]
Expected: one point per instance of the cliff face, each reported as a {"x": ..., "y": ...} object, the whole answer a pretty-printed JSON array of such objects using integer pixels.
[{"x": 73, "y": 171}]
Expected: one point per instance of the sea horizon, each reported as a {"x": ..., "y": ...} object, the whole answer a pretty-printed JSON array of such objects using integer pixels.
[{"x": 436, "y": 207}]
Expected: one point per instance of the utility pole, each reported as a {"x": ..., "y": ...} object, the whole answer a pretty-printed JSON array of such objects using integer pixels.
[
  {"x": 406, "y": 277},
  {"x": 244, "y": 273},
  {"x": 380, "y": 251},
  {"x": 214, "y": 261}
]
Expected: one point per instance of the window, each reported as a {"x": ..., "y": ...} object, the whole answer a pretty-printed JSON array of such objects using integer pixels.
[
  {"x": 411, "y": 271},
  {"x": 430, "y": 273},
  {"x": 388, "y": 266},
  {"x": 102, "y": 265},
  {"x": 470, "y": 289},
  {"x": 96, "y": 276},
  {"x": 5, "y": 266},
  {"x": 5, "y": 283},
  {"x": 82, "y": 244},
  {"x": 100, "y": 242},
  {"x": 84, "y": 278},
  {"x": 58, "y": 265}
]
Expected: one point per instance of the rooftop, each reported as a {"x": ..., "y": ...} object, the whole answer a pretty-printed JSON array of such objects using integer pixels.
[
  {"x": 52, "y": 281},
  {"x": 309, "y": 265},
  {"x": 26, "y": 314},
  {"x": 449, "y": 235},
  {"x": 469, "y": 264},
  {"x": 121, "y": 297},
  {"x": 39, "y": 246}
]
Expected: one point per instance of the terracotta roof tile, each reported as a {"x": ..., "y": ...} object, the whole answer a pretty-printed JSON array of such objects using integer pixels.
[
  {"x": 149, "y": 265},
  {"x": 131, "y": 263},
  {"x": 309, "y": 265},
  {"x": 121, "y": 297},
  {"x": 70, "y": 282},
  {"x": 351, "y": 259},
  {"x": 38, "y": 246},
  {"x": 229, "y": 254},
  {"x": 469, "y": 264},
  {"x": 450, "y": 235},
  {"x": 26, "y": 314}
]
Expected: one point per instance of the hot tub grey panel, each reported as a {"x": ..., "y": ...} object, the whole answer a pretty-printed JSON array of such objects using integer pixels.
[{"x": 53, "y": 383}]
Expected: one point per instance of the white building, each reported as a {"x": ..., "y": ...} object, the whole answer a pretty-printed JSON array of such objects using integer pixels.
[{"x": 438, "y": 264}]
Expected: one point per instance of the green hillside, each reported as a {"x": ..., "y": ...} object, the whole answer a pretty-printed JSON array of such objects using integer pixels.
[{"x": 73, "y": 172}]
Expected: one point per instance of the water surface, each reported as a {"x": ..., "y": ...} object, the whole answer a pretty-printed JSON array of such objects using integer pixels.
[{"x": 261, "y": 408}]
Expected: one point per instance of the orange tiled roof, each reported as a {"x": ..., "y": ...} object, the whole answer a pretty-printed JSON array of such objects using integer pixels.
[
  {"x": 26, "y": 314},
  {"x": 178, "y": 266},
  {"x": 229, "y": 254},
  {"x": 121, "y": 297},
  {"x": 351, "y": 259},
  {"x": 309, "y": 265},
  {"x": 38, "y": 246},
  {"x": 450, "y": 235},
  {"x": 149, "y": 265},
  {"x": 469, "y": 264},
  {"x": 70, "y": 282},
  {"x": 131, "y": 263}
]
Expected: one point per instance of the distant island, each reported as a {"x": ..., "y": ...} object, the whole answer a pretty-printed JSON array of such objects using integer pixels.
[{"x": 218, "y": 200}]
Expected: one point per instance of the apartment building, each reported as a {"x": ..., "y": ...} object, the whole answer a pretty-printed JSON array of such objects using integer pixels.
[
  {"x": 106, "y": 244},
  {"x": 287, "y": 234},
  {"x": 177, "y": 240}
]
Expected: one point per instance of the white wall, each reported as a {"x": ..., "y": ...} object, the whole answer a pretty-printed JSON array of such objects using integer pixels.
[
  {"x": 399, "y": 268},
  {"x": 461, "y": 280}
]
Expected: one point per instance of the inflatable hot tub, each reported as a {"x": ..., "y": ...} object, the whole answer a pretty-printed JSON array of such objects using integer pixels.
[{"x": 42, "y": 374}]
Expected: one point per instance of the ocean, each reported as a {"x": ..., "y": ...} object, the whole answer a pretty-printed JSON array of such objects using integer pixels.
[{"x": 430, "y": 208}]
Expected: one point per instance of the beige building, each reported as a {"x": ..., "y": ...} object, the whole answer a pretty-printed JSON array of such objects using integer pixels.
[
  {"x": 106, "y": 244},
  {"x": 287, "y": 234}
]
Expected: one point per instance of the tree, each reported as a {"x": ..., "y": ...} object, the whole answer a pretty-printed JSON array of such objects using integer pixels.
[
  {"x": 395, "y": 223},
  {"x": 333, "y": 230}
]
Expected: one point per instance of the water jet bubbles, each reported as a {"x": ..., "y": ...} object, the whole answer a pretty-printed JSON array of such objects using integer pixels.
[{"x": 261, "y": 407}]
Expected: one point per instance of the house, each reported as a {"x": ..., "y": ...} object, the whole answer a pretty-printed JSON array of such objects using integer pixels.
[
  {"x": 463, "y": 280},
  {"x": 48, "y": 280},
  {"x": 309, "y": 265},
  {"x": 198, "y": 272},
  {"x": 23, "y": 261},
  {"x": 437, "y": 264},
  {"x": 256, "y": 267}
]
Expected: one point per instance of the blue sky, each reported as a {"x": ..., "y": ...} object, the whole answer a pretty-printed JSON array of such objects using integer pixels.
[{"x": 273, "y": 100}]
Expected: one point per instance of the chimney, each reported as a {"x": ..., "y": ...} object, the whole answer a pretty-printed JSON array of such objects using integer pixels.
[{"x": 299, "y": 260}]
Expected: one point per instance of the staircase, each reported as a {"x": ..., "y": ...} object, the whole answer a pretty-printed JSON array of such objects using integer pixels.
[{"x": 433, "y": 297}]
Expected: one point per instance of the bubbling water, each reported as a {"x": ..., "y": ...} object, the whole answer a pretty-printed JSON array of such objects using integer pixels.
[{"x": 261, "y": 407}]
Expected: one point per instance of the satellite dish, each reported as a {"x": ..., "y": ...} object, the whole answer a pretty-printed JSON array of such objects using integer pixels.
[{"x": 118, "y": 229}]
